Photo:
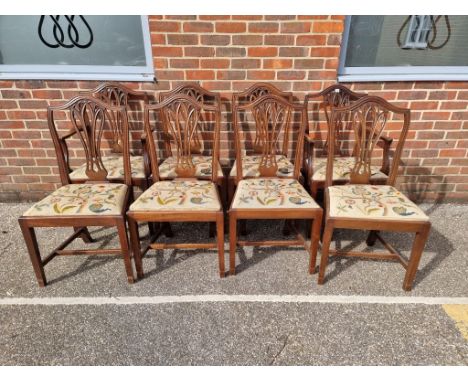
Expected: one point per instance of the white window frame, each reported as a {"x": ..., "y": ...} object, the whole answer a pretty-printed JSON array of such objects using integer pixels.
[
  {"x": 395, "y": 73},
  {"x": 86, "y": 72}
]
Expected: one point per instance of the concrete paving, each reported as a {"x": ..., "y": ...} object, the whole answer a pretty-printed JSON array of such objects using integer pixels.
[{"x": 241, "y": 333}]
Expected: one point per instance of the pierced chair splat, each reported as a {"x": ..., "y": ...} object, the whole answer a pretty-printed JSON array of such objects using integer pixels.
[
  {"x": 185, "y": 198},
  {"x": 96, "y": 202},
  {"x": 361, "y": 205}
]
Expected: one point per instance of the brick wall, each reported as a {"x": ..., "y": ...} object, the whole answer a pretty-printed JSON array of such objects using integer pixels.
[{"x": 226, "y": 54}]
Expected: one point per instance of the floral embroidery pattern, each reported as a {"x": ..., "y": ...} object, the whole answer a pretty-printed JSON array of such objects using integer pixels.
[
  {"x": 178, "y": 195},
  {"x": 82, "y": 199},
  {"x": 372, "y": 201},
  {"x": 341, "y": 169},
  {"x": 250, "y": 165},
  {"x": 272, "y": 193},
  {"x": 114, "y": 167},
  {"x": 202, "y": 167}
]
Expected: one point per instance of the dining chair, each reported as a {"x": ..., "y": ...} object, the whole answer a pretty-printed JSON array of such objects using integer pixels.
[
  {"x": 200, "y": 150},
  {"x": 116, "y": 94},
  {"x": 315, "y": 163},
  {"x": 97, "y": 201},
  {"x": 252, "y": 142},
  {"x": 361, "y": 205},
  {"x": 185, "y": 198},
  {"x": 267, "y": 195}
]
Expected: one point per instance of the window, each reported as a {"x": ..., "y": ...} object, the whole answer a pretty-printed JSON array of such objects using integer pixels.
[
  {"x": 398, "y": 48},
  {"x": 75, "y": 48}
]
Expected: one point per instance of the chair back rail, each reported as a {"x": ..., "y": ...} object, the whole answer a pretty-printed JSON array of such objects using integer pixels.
[
  {"x": 90, "y": 119},
  {"x": 368, "y": 117},
  {"x": 179, "y": 116},
  {"x": 273, "y": 117}
]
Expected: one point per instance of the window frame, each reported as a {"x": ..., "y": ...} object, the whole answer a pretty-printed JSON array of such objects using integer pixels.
[
  {"x": 86, "y": 72},
  {"x": 394, "y": 73}
]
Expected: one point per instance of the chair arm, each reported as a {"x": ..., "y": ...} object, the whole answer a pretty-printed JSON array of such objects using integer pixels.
[
  {"x": 386, "y": 142},
  {"x": 146, "y": 162},
  {"x": 308, "y": 156}
]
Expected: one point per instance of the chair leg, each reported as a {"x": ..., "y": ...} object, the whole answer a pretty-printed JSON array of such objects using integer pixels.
[
  {"x": 230, "y": 190},
  {"x": 122, "y": 229},
  {"x": 167, "y": 229},
  {"x": 287, "y": 227},
  {"x": 416, "y": 252},
  {"x": 232, "y": 243},
  {"x": 220, "y": 240},
  {"x": 34, "y": 254},
  {"x": 85, "y": 235},
  {"x": 372, "y": 238},
  {"x": 314, "y": 242},
  {"x": 136, "y": 246},
  {"x": 327, "y": 236},
  {"x": 212, "y": 229}
]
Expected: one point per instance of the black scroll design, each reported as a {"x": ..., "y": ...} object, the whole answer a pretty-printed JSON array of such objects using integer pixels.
[{"x": 71, "y": 32}]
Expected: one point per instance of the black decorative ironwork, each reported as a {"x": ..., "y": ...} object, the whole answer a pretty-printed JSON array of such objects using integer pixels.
[{"x": 60, "y": 35}]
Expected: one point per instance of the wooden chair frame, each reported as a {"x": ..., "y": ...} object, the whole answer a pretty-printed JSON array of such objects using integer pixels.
[
  {"x": 249, "y": 95},
  {"x": 216, "y": 217},
  {"x": 116, "y": 94},
  {"x": 336, "y": 96},
  {"x": 97, "y": 174},
  {"x": 241, "y": 214},
  {"x": 420, "y": 228}
]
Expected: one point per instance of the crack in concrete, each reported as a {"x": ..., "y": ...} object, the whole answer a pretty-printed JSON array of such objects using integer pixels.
[{"x": 284, "y": 339}]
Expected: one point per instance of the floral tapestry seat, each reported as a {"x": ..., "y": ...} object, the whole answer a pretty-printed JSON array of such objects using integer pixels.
[
  {"x": 250, "y": 165},
  {"x": 167, "y": 169},
  {"x": 82, "y": 199},
  {"x": 114, "y": 167},
  {"x": 341, "y": 169},
  {"x": 272, "y": 193},
  {"x": 179, "y": 195},
  {"x": 372, "y": 202}
]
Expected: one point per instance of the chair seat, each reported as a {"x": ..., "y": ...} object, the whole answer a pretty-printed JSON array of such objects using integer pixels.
[
  {"x": 179, "y": 195},
  {"x": 82, "y": 199},
  {"x": 372, "y": 202},
  {"x": 114, "y": 167},
  {"x": 250, "y": 165},
  {"x": 272, "y": 193},
  {"x": 202, "y": 167},
  {"x": 341, "y": 169}
]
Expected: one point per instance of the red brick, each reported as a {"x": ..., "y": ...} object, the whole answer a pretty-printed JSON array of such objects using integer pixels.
[
  {"x": 442, "y": 94},
  {"x": 215, "y": 39},
  {"x": 6, "y": 125},
  {"x": 275, "y": 39},
  {"x": 324, "y": 52},
  {"x": 167, "y": 51},
  {"x": 295, "y": 27},
  {"x": 308, "y": 63},
  {"x": 164, "y": 26},
  {"x": 182, "y": 39},
  {"x": 185, "y": 63},
  {"x": 291, "y": 75},
  {"x": 217, "y": 17},
  {"x": 199, "y": 51},
  {"x": 313, "y": 40},
  {"x": 327, "y": 27},
  {"x": 200, "y": 74},
  {"x": 263, "y": 27},
  {"x": 197, "y": 26},
  {"x": 245, "y": 63},
  {"x": 293, "y": 52},
  {"x": 231, "y": 27},
  {"x": 247, "y": 40},
  {"x": 21, "y": 114},
  {"x": 277, "y": 63},
  {"x": 228, "y": 75},
  {"x": 215, "y": 63},
  {"x": 260, "y": 75},
  {"x": 263, "y": 52},
  {"x": 460, "y": 153},
  {"x": 230, "y": 52}
]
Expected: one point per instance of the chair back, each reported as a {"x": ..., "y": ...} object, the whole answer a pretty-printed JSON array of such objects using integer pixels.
[
  {"x": 249, "y": 95},
  {"x": 90, "y": 119},
  {"x": 369, "y": 117},
  {"x": 116, "y": 95},
  {"x": 179, "y": 116},
  {"x": 274, "y": 118}
]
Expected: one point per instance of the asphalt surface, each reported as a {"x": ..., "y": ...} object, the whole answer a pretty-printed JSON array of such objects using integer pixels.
[{"x": 233, "y": 333}]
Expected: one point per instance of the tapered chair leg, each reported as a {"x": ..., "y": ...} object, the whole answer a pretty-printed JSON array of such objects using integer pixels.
[
  {"x": 314, "y": 242},
  {"x": 220, "y": 240},
  {"x": 136, "y": 246},
  {"x": 416, "y": 252},
  {"x": 34, "y": 254},
  {"x": 371, "y": 238},
  {"x": 232, "y": 243},
  {"x": 327, "y": 236},
  {"x": 125, "y": 250},
  {"x": 167, "y": 229}
]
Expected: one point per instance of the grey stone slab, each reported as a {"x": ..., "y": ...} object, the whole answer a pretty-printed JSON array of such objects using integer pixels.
[
  {"x": 230, "y": 334},
  {"x": 443, "y": 269}
]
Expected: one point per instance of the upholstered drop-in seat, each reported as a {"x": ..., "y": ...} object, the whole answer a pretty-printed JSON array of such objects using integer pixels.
[
  {"x": 272, "y": 193},
  {"x": 179, "y": 195},
  {"x": 82, "y": 199},
  {"x": 250, "y": 165},
  {"x": 341, "y": 169},
  {"x": 167, "y": 169},
  {"x": 114, "y": 167},
  {"x": 372, "y": 202}
]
